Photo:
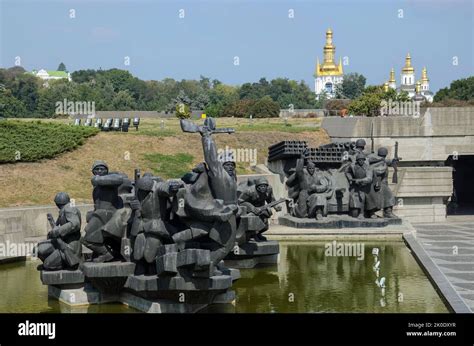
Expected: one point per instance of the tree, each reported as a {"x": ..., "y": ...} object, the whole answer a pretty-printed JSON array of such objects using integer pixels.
[
  {"x": 10, "y": 107},
  {"x": 351, "y": 87},
  {"x": 57, "y": 91},
  {"x": 123, "y": 101},
  {"x": 25, "y": 87},
  {"x": 461, "y": 89},
  {"x": 62, "y": 67},
  {"x": 265, "y": 108},
  {"x": 370, "y": 102}
]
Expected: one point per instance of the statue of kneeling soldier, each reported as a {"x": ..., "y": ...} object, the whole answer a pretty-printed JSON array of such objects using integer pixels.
[
  {"x": 63, "y": 248},
  {"x": 259, "y": 201}
]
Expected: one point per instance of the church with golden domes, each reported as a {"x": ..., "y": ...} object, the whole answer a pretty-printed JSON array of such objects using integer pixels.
[
  {"x": 417, "y": 90},
  {"x": 328, "y": 75}
]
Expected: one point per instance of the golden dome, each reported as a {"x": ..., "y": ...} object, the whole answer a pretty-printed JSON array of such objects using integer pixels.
[
  {"x": 424, "y": 75},
  {"x": 418, "y": 87},
  {"x": 392, "y": 76},
  {"x": 408, "y": 68},
  {"x": 329, "y": 67}
]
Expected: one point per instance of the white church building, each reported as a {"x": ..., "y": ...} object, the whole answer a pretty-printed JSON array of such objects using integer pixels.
[{"x": 328, "y": 75}]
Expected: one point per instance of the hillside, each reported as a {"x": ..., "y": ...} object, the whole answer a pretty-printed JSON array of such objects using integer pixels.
[{"x": 167, "y": 152}]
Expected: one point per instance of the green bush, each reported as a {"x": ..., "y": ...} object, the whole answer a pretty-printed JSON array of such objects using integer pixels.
[
  {"x": 22, "y": 141},
  {"x": 264, "y": 107}
]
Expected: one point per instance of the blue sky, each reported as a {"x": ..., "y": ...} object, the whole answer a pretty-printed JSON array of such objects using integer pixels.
[{"x": 260, "y": 33}]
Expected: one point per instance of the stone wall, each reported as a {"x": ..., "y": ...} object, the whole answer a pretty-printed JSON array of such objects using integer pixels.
[
  {"x": 422, "y": 193},
  {"x": 32, "y": 221},
  {"x": 301, "y": 113},
  {"x": 434, "y": 136}
]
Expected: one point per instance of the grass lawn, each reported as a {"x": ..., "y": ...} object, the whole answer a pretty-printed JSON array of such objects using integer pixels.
[{"x": 166, "y": 151}]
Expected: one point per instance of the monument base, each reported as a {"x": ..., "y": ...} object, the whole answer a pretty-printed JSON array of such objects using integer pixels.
[
  {"x": 336, "y": 221},
  {"x": 253, "y": 253}
]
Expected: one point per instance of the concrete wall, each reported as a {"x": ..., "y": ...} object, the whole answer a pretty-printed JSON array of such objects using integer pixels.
[
  {"x": 10, "y": 233},
  {"x": 301, "y": 113},
  {"x": 422, "y": 193},
  {"x": 32, "y": 221},
  {"x": 434, "y": 136}
]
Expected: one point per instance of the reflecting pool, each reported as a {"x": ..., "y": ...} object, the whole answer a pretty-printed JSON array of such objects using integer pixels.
[{"x": 309, "y": 278}]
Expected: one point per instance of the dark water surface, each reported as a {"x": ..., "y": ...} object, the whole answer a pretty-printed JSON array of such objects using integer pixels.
[{"x": 305, "y": 280}]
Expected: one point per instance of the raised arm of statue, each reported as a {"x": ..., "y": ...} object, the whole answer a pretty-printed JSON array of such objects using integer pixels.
[
  {"x": 210, "y": 155},
  {"x": 107, "y": 180}
]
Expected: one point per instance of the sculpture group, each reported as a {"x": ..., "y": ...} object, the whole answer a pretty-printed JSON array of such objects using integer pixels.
[
  {"x": 158, "y": 237},
  {"x": 336, "y": 179},
  {"x": 151, "y": 240}
]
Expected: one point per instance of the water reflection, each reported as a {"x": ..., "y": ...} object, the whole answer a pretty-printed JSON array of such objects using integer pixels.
[{"x": 305, "y": 280}]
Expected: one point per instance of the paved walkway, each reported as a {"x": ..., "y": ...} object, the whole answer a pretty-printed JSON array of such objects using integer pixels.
[{"x": 450, "y": 247}]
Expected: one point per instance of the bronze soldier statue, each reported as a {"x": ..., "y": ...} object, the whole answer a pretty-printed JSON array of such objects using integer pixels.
[
  {"x": 359, "y": 175},
  {"x": 151, "y": 228},
  {"x": 210, "y": 200},
  {"x": 314, "y": 189},
  {"x": 255, "y": 199},
  {"x": 104, "y": 226},
  {"x": 62, "y": 250},
  {"x": 380, "y": 196}
]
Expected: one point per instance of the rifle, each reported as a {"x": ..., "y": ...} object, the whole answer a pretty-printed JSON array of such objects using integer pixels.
[
  {"x": 209, "y": 126},
  {"x": 395, "y": 165},
  {"x": 372, "y": 150},
  {"x": 71, "y": 257},
  {"x": 270, "y": 205},
  {"x": 51, "y": 221},
  {"x": 52, "y": 224}
]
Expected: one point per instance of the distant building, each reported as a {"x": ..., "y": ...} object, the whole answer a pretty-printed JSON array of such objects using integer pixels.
[
  {"x": 328, "y": 75},
  {"x": 51, "y": 75},
  {"x": 415, "y": 89}
]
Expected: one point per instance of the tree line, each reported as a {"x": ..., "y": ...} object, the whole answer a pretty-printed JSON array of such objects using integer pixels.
[{"x": 24, "y": 95}]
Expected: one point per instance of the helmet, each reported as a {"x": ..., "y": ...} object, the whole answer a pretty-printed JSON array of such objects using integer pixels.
[
  {"x": 360, "y": 143},
  {"x": 261, "y": 181},
  {"x": 145, "y": 183},
  {"x": 311, "y": 164},
  {"x": 61, "y": 198},
  {"x": 382, "y": 151},
  {"x": 99, "y": 163},
  {"x": 360, "y": 156}
]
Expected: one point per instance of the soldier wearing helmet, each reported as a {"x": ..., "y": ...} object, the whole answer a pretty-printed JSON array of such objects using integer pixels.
[
  {"x": 226, "y": 157},
  {"x": 314, "y": 189},
  {"x": 360, "y": 175},
  {"x": 380, "y": 196},
  {"x": 106, "y": 203},
  {"x": 62, "y": 250},
  {"x": 152, "y": 228},
  {"x": 254, "y": 198},
  {"x": 359, "y": 148}
]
